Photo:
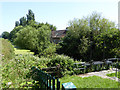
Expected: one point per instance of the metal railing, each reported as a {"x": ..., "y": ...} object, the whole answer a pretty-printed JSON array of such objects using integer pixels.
[{"x": 46, "y": 81}]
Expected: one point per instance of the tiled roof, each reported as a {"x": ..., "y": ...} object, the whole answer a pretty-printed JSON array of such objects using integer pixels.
[{"x": 58, "y": 33}]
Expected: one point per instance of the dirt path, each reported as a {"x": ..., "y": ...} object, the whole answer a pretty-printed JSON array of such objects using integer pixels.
[{"x": 100, "y": 74}]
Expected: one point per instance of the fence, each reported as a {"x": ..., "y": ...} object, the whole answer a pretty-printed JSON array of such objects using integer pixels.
[
  {"x": 46, "y": 81},
  {"x": 54, "y": 71},
  {"x": 91, "y": 66}
]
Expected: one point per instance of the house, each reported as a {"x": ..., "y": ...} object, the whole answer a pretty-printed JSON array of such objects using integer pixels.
[{"x": 57, "y": 35}]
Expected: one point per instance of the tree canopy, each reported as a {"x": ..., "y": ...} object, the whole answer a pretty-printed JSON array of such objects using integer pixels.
[
  {"x": 32, "y": 35},
  {"x": 33, "y": 39},
  {"x": 90, "y": 38}
]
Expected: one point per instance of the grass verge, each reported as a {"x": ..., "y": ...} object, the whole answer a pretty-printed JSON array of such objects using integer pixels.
[
  {"x": 111, "y": 75},
  {"x": 90, "y": 82}
]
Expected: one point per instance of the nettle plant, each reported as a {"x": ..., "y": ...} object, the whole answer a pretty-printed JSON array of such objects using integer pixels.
[{"x": 16, "y": 69}]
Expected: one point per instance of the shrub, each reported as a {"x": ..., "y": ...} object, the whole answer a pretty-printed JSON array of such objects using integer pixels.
[
  {"x": 7, "y": 49},
  {"x": 17, "y": 69},
  {"x": 49, "y": 51},
  {"x": 66, "y": 63}
]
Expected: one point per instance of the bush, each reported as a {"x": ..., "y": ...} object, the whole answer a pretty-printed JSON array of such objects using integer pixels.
[
  {"x": 17, "y": 69},
  {"x": 7, "y": 49},
  {"x": 49, "y": 51},
  {"x": 66, "y": 63}
]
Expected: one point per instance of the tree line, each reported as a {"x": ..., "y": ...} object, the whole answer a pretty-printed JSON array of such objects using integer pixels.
[
  {"x": 29, "y": 34},
  {"x": 89, "y": 38}
]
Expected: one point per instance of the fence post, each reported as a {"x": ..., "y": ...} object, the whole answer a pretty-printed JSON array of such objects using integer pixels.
[
  {"x": 58, "y": 84},
  {"x": 47, "y": 82},
  {"x": 53, "y": 83},
  {"x": 50, "y": 82}
]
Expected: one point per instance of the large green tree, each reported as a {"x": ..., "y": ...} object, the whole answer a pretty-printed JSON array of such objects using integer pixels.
[
  {"x": 32, "y": 35},
  {"x": 33, "y": 39},
  {"x": 90, "y": 38}
]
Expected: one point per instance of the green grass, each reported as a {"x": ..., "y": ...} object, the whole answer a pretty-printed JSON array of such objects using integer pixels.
[
  {"x": 111, "y": 75},
  {"x": 90, "y": 82},
  {"x": 22, "y": 51},
  {"x": 114, "y": 74}
]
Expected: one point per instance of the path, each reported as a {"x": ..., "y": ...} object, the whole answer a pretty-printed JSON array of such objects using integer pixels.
[{"x": 100, "y": 74}]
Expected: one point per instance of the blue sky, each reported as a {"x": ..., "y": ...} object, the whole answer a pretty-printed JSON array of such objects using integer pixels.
[{"x": 56, "y": 13}]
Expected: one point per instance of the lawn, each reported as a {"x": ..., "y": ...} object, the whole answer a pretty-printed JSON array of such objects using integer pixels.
[
  {"x": 90, "y": 82},
  {"x": 22, "y": 51},
  {"x": 114, "y": 74},
  {"x": 111, "y": 75}
]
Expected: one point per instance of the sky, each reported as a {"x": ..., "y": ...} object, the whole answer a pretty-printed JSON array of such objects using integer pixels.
[{"x": 58, "y": 13}]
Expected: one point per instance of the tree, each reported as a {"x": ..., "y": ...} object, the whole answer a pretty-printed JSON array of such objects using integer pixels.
[
  {"x": 26, "y": 38},
  {"x": 90, "y": 39},
  {"x": 33, "y": 39},
  {"x": 107, "y": 44},
  {"x": 12, "y": 35},
  {"x": 30, "y": 16},
  {"x": 51, "y": 26},
  {"x": 23, "y": 21},
  {"x": 76, "y": 42},
  {"x": 44, "y": 34},
  {"x": 17, "y": 23},
  {"x": 5, "y": 35},
  {"x": 32, "y": 35}
]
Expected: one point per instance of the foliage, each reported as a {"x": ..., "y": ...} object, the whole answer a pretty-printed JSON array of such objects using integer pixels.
[
  {"x": 90, "y": 82},
  {"x": 26, "y": 38},
  {"x": 65, "y": 62},
  {"x": 91, "y": 38},
  {"x": 17, "y": 69},
  {"x": 12, "y": 35},
  {"x": 7, "y": 49},
  {"x": 5, "y": 35},
  {"x": 23, "y": 21},
  {"x": 30, "y": 16},
  {"x": 32, "y": 35},
  {"x": 33, "y": 39},
  {"x": 76, "y": 42},
  {"x": 107, "y": 44},
  {"x": 49, "y": 51},
  {"x": 51, "y": 26},
  {"x": 17, "y": 23},
  {"x": 30, "y": 20}
]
